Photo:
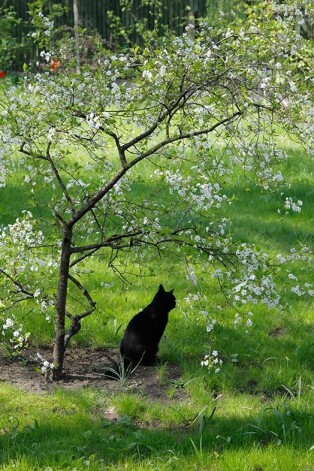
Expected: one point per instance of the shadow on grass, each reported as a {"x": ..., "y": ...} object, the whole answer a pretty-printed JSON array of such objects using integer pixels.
[
  {"x": 61, "y": 441},
  {"x": 266, "y": 359},
  {"x": 255, "y": 217},
  {"x": 15, "y": 198}
]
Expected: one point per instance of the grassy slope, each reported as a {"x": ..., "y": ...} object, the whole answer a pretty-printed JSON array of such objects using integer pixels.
[{"x": 261, "y": 405}]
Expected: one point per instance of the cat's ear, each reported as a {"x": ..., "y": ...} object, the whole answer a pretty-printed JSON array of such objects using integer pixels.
[
  {"x": 161, "y": 289},
  {"x": 171, "y": 291}
]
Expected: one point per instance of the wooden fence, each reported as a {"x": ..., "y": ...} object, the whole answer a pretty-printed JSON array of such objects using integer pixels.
[
  {"x": 93, "y": 14},
  {"x": 94, "y": 17}
]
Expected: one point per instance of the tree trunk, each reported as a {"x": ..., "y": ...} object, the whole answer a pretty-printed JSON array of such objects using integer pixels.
[
  {"x": 59, "y": 343},
  {"x": 76, "y": 20}
]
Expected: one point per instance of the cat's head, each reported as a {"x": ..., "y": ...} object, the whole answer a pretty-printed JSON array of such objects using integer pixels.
[{"x": 166, "y": 298}]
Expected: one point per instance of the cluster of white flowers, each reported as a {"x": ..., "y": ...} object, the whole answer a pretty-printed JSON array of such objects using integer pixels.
[
  {"x": 212, "y": 361},
  {"x": 207, "y": 195},
  {"x": 93, "y": 121},
  {"x": 304, "y": 254},
  {"x": 210, "y": 324},
  {"x": 46, "y": 55},
  {"x": 191, "y": 276},
  {"x": 20, "y": 243},
  {"x": 22, "y": 232},
  {"x": 190, "y": 298},
  {"x": 294, "y": 206},
  {"x": 259, "y": 161},
  {"x": 7, "y": 139},
  {"x": 202, "y": 195},
  {"x": 9, "y": 323},
  {"x": 104, "y": 284},
  {"x": 3, "y": 172},
  {"x": 147, "y": 74},
  {"x": 253, "y": 282},
  {"x": 238, "y": 319},
  {"x": 293, "y": 13},
  {"x": 46, "y": 366},
  {"x": 51, "y": 134},
  {"x": 13, "y": 332},
  {"x": 176, "y": 181},
  {"x": 47, "y": 24}
]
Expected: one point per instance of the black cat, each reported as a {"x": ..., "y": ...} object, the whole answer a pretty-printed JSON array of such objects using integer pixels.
[
  {"x": 139, "y": 344},
  {"x": 144, "y": 331}
]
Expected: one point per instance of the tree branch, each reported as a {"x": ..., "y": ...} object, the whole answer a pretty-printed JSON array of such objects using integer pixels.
[
  {"x": 84, "y": 292},
  {"x": 18, "y": 284},
  {"x": 59, "y": 179},
  {"x": 48, "y": 158},
  {"x": 181, "y": 137},
  {"x": 85, "y": 255},
  {"x": 75, "y": 320},
  {"x": 106, "y": 243},
  {"x": 97, "y": 197},
  {"x": 121, "y": 151},
  {"x": 31, "y": 154}
]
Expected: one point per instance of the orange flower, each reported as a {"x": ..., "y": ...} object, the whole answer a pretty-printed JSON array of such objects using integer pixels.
[{"x": 55, "y": 65}]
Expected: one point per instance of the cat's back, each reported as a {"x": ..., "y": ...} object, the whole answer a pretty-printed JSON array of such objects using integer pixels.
[{"x": 142, "y": 320}]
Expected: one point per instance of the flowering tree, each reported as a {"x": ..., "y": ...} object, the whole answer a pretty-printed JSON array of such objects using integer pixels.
[{"x": 187, "y": 115}]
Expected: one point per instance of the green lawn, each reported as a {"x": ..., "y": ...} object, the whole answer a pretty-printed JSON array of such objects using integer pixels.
[{"x": 256, "y": 414}]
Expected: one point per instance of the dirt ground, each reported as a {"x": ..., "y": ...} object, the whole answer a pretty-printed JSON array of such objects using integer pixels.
[{"x": 86, "y": 367}]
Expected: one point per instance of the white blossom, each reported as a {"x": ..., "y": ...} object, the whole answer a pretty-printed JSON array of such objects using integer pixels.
[
  {"x": 294, "y": 206},
  {"x": 147, "y": 74}
]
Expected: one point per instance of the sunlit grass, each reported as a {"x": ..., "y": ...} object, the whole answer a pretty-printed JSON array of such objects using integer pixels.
[{"x": 69, "y": 431}]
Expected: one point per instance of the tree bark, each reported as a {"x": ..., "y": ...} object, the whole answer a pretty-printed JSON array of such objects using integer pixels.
[
  {"x": 76, "y": 20},
  {"x": 59, "y": 343}
]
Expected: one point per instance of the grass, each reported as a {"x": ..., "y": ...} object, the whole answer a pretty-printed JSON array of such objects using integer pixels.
[
  {"x": 255, "y": 415},
  {"x": 67, "y": 431}
]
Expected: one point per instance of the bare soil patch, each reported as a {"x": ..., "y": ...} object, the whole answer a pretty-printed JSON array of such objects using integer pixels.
[{"x": 86, "y": 367}]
